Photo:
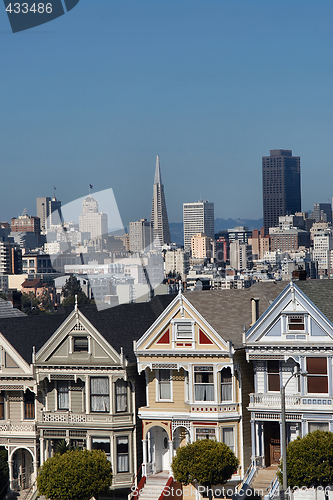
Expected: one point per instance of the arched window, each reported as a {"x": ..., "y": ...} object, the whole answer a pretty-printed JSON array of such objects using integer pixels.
[
  {"x": 226, "y": 385},
  {"x": 121, "y": 395}
]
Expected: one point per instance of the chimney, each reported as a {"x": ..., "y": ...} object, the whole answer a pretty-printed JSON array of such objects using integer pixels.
[{"x": 255, "y": 310}]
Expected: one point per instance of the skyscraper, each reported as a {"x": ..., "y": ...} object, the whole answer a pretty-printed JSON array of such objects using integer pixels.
[
  {"x": 49, "y": 212},
  {"x": 281, "y": 183},
  {"x": 159, "y": 216},
  {"x": 197, "y": 218},
  {"x": 91, "y": 221}
]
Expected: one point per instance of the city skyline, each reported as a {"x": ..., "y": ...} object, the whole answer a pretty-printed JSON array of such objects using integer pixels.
[{"x": 209, "y": 86}]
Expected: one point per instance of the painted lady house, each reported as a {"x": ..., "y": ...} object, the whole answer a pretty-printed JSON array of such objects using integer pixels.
[
  {"x": 295, "y": 333},
  {"x": 73, "y": 376},
  {"x": 197, "y": 379}
]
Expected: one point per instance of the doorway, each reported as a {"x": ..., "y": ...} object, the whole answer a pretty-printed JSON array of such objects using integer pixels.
[{"x": 272, "y": 443}]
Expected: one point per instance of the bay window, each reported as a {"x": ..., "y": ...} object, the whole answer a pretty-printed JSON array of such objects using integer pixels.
[
  {"x": 317, "y": 375},
  {"x": 164, "y": 384},
  {"x": 121, "y": 395},
  {"x": 122, "y": 454},
  {"x": 99, "y": 394},
  {"x": 203, "y": 383},
  {"x": 226, "y": 384},
  {"x": 63, "y": 394}
]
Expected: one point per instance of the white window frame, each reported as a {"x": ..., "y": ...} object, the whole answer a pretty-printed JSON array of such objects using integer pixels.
[
  {"x": 210, "y": 429},
  {"x": 57, "y": 394},
  {"x": 213, "y": 371},
  {"x": 157, "y": 376},
  {"x": 175, "y": 339},
  {"x": 234, "y": 436},
  {"x": 123, "y": 436}
]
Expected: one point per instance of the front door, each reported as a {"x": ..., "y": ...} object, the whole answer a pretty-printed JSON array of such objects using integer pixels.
[{"x": 272, "y": 443}]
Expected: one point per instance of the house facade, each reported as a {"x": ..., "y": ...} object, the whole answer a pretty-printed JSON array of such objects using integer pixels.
[
  {"x": 195, "y": 387},
  {"x": 293, "y": 334}
]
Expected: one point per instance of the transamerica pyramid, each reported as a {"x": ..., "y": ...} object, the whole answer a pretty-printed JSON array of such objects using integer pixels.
[{"x": 159, "y": 216}]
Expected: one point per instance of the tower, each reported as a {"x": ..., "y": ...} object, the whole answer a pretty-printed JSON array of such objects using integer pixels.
[
  {"x": 91, "y": 221},
  {"x": 281, "y": 184},
  {"x": 159, "y": 216},
  {"x": 197, "y": 218}
]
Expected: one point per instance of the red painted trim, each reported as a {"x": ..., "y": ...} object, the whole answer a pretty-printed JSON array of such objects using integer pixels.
[
  {"x": 139, "y": 487},
  {"x": 169, "y": 482}
]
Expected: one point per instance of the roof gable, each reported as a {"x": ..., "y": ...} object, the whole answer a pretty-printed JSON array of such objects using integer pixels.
[
  {"x": 291, "y": 318},
  {"x": 65, "y": 345}
]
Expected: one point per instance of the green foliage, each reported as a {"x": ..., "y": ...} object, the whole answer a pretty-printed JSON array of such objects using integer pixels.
[
  {"x": 206, "y": 461},
  {"x": 71, "y": 288},
  {"x": 75, "y": 475},
  {"x": 310, "y": 460},
  {"x": 29, "y": 303}
]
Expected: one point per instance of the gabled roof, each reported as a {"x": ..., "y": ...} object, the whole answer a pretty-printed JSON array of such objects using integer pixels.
[
  {"x": 8, "y": 311},
  {"x": 119, "y": 325},
  {"x": 229, "y": 311}
]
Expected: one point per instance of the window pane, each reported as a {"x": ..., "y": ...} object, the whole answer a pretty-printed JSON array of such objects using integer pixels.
[
  {"x": 63, "y": 394},
  {"x": 164, "y": 384},
  {"x": 101, "y": 443},
  {"x": 122, "y": 454},
  {"x": 316, "y": 366},
  {"x": 184, "y": 330},
  {"x": 318, "y": 426},
  {"x": 228, "y": 437},
  {"x": 273, "y": 382},
  {"x": 99, "y": 394},
  {"x": 317, "y": 384},
  {"x": 205, "y": 433},
  {"x": 121, "y": 395},
  {"x": 204, "y": 392},
  {"x": 80, "y": 344},
  {"x": 226, "y": 384}
]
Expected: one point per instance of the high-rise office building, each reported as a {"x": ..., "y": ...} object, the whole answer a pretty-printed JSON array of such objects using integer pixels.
[
  {"x": 197, "y": 218},
  {"x": 322, "y": 212},
  {"x": 91, "y": 220},
  {"x": 49, "y": 212},
  {"x": 141, "y": 234},
  {"x": 281, "y": 183},
  {"x": 159, "y": 216}
]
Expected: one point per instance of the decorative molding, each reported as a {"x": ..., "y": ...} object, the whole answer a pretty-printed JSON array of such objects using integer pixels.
[{"x": 11, "y": 388}]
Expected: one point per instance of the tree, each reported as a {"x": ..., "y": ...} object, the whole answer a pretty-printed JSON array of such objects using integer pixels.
[
  {"x": 310, "y": 460},
  {"x": 75, "y": 475},
  {"x": 205, "y": 461},
  {"x": 71, "y": 288}
]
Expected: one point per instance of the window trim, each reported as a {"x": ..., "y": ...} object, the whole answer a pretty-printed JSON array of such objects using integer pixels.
[
  {"x": 157, "y": 376},
  {"x": 208, "y": 383},
  {"x": 91, "y": 394},
  {"x": 225, "y": 384},
  {"x": 58, "y": 392},
  {"x": 126, "y": 392},
  {"x": 317, "y": 375},
  {"x": 124, "y": 436},
  {"x": 80, "y": 337},
  {"x": 182, "y": 341}
]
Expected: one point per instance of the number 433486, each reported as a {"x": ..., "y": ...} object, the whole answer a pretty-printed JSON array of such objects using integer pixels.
[{"x": 36, "y": 8}]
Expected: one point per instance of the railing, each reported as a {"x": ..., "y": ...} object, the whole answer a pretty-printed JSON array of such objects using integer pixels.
[
  {"x": 133, "y": 482},
  {"x": 17, "y": 428},
  {"x": 274, "y": 400},
  {"x": 248, "y": 476},
  {"x": 63, "y": 417},
  {"x": 273, "y": 489}
]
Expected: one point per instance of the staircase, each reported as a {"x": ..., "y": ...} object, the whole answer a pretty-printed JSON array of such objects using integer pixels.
[
  {"x": 154, "y": 486},
  {"x": 263, "y": 478}
]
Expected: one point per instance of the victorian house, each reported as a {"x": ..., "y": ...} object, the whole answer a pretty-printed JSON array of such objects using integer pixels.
[
  {"x": 294, "y": 334},
  {"x": 73, "y": 377},
  {"x": 197, "y": 379}
]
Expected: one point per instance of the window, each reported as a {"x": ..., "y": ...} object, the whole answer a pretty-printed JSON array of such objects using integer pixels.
[
  {"x": 99, "y": 394},
  {"x": 203, "y": 383},
  {"x": 2, "y": 407},
  {"x": 80, "y": 344},
  {"x": 226, "y": 385},
  {"x": 202, "y": 433},
  {"x": 29, "y": 405},
  {"x": 317, "y": 375},
  {"x": 121, "y": 395},
  {"x": 122, "y": 454},
  {"x": 31, "y": 263},
  {"x": 273, "y": 372},
  {"x": 184, "y": 330},
  {"x": 101, "y": 443},
  {"x": 318, "y": 426},
  {"x": 296, "y": 322},
  {"x": 164, "y": 384},
  {"x": 63, "y": 394},
  {"x": 228, "y": 437}
]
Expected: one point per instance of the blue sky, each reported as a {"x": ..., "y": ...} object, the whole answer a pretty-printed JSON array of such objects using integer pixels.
[{"x": 211, "y": 86}]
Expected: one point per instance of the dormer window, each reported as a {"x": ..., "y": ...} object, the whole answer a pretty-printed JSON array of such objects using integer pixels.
[
  {"x": 296, "y": 322},
  {"x": 184, "y": 331},
  {"x": 81, "y": 344}
]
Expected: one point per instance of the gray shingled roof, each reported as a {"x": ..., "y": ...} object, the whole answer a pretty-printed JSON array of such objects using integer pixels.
[
  {"x": 229, "y": 311},
  {"x": 8, "y": 311}
]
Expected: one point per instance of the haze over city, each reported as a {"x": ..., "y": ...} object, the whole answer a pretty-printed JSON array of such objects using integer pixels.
[{"x": 210, "y": 86}]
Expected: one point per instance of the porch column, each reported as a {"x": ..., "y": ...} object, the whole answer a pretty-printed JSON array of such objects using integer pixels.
[
  {"x": 303, "y": 431},
  {"x": 144, "y": 457},
  {"x": 88, "y": 442},
  {"x": 170, "y": 457},
  {"x": 87, "y": 392},
  {"x": 10, "y": 467},
  {"x": 281, "y": 438},
  {"x": 41, "y": 451},
  {"x": 35, "y": 469},
  {"x": 253, "y": 438}
]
